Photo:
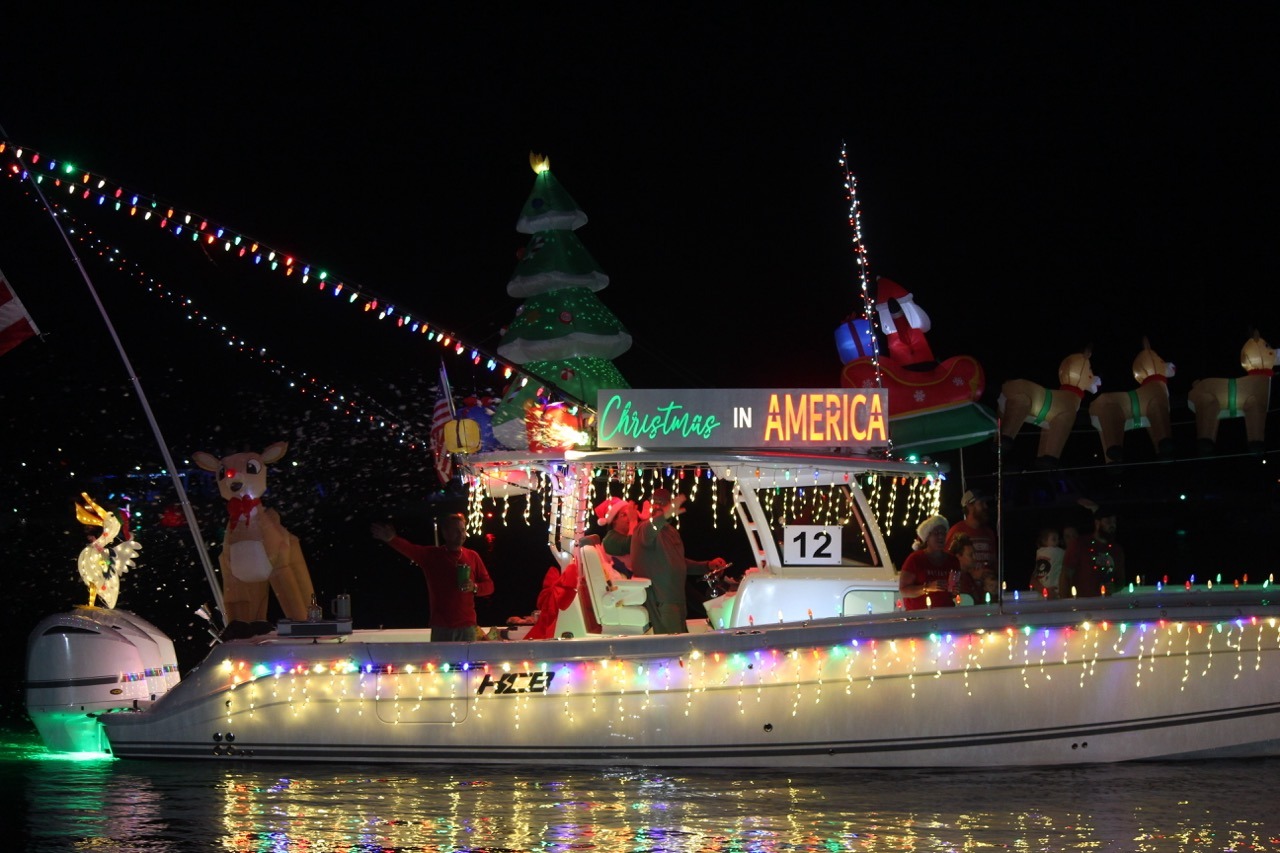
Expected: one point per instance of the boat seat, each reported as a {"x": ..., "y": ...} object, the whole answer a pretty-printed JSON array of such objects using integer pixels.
[
  {"x": 572, "y": 621},
  {"x": 618, "y": 604},
  {"x": 619, "y": 562}
]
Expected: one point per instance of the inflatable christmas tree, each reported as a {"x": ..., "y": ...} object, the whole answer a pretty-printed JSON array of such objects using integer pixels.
[{"x": 562, "y": 334}]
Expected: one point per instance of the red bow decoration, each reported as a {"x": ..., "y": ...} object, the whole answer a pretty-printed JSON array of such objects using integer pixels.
[
  {"x": 558, "y": 591},
  {"x": 238, "y": 508}
]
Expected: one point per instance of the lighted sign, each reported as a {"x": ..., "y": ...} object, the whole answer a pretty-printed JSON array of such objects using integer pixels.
[
  {"x": 811, "y": 545},
  {"x": 855, "y": 418}
]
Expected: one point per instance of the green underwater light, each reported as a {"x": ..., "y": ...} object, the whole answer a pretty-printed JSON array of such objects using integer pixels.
[
  {"x": 29, "y": 746},
  {"x": 72, "y": 734}
]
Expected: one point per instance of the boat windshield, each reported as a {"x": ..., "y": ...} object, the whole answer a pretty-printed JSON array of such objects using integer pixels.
[
  {"x": 819, "y": 525},
  {"x": 788, "y": 514}
]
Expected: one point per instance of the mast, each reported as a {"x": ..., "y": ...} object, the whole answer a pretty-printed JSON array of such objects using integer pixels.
[
  {"x": 187, "y": 511},
  {"x": 864, "y": 267}
]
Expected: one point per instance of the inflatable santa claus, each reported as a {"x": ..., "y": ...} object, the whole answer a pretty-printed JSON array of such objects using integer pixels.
[{"x": 904, "y": 324}]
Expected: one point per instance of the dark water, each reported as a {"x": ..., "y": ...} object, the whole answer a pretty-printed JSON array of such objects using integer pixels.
[{"x": 57, "y": 805}]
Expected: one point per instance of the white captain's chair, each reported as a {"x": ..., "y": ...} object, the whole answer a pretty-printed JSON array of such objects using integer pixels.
[{"x": 618, "y": 604}]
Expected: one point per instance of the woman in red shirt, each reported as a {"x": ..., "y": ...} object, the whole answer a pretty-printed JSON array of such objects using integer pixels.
[{"x": 929, "y": 576}]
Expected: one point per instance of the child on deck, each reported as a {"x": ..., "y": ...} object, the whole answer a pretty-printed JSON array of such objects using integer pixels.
[{"x": 1048, "y": 569}]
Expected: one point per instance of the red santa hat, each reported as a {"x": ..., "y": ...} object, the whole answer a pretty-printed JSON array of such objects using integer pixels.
[
  {"x": 887, "y": 288},
  {"x": 607, "y": 509},
  {"x": 618, "y": 507},
  {"x": 913, "y": 315}
]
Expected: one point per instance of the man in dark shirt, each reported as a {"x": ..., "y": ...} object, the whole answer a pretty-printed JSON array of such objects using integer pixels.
[
  {"x": 657, "y": 553},
  {"x": 1095, "y": 565}
]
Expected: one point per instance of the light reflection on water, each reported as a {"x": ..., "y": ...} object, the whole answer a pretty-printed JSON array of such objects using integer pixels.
[{"x": 163, "y": 806}]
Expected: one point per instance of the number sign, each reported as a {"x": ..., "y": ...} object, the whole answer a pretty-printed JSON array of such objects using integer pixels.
[{"x": 811, "y": 545}]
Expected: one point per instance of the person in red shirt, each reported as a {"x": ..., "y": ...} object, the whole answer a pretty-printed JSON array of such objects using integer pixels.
[
  {"x": 455, "y": 576},
  {"x": 976, "y": 524},
  {"x": 928, "y": 577}
]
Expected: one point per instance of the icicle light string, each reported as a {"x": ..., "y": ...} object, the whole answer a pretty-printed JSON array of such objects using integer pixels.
[
  {"x": 628, "y": 686},
  {"x": 26, "y": 163},
  {"x": 822, "y": 503}
]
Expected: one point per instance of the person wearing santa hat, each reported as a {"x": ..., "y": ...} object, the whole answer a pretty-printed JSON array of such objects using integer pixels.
[
  {"x": 904, "y": 324},
  {"x": 621, "y": 519},
  {"x": 929, "y": 577}
]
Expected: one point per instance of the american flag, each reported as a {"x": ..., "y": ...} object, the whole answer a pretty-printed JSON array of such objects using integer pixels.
[
  {"x": 16, "y": 324},
  {"x": 439, "y": 418}
]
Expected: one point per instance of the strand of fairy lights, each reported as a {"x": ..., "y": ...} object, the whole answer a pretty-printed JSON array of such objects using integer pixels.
[
  {"x": 362, "y": 408},
  {"x": 912, "y": 661},
  {"x": 90, "y": 187},
  {"x": 301, "y": 381},
  {"x": 863, "y": 261},
  {"x": 824, "y": 502}
]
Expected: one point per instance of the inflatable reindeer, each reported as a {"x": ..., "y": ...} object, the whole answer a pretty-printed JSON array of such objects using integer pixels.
[
  {"x": 257, "y": 550},
  {"x": 100, "y": 563},
  {"x": 1247, "y": 397},
  {"x": 1116, "y": 412},
  {"x": 1022, "y": 401}
]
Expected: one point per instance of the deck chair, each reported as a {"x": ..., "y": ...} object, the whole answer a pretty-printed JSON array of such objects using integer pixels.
[{"x": 618, "y": 605}]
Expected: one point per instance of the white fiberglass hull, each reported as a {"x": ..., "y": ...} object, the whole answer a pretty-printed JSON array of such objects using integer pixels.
[{"x": 1141, "y": 677}]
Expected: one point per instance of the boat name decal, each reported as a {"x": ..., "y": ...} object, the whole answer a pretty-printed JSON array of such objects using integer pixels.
[{"x": 515, "y": 682}]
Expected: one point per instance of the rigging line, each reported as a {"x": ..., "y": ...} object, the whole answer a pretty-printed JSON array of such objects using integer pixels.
[
  {"x": 663, "y": 359},
  {"x": 1116, "y": 467},
  {"x": 551, "y": 386},
  {"x": 187, "y": 511},
  {"x": 999, "y": 520},
  {"x": 364, "y": 402}
]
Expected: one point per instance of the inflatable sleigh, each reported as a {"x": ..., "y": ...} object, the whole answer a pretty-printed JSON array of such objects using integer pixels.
[{"x": 933, "y": 405}]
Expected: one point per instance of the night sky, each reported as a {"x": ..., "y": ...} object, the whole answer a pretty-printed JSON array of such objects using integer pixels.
[{"x": 1041, "y": 178}]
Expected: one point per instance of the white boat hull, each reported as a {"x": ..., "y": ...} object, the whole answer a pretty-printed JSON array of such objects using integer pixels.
[
  {"x": 796, "y": 674},
  {"x": 1143, "y": 677}
]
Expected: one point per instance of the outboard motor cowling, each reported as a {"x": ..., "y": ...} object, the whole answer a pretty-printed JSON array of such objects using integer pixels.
[{"x": 90, "y": 661}]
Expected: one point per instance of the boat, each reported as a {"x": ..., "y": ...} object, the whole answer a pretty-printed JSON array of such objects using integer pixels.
[{"x": 809, "y": 662}]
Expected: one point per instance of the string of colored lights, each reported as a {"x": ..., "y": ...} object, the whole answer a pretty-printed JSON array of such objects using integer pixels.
[
  {"x": 360, "y": 407},
  {"x": 435, "y": 689},
  {"x": 25, "y": 163}
]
